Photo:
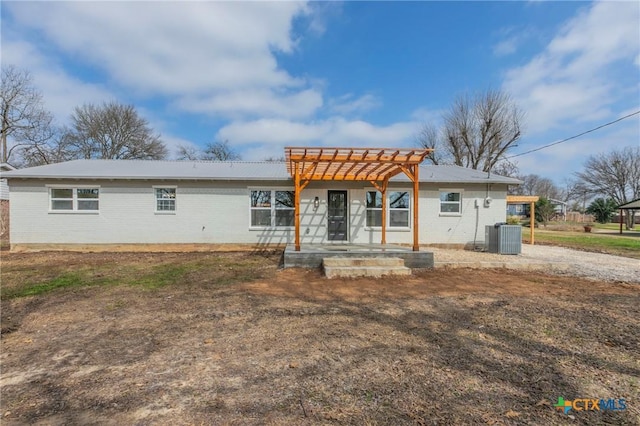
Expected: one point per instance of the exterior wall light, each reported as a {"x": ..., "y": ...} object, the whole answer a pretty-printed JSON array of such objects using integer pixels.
[{"x": 316, "y": 203}]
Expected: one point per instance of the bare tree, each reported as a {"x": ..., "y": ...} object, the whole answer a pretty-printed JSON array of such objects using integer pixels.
[
  {"x": 577, "y": 195},
  {"x": 25, "y": 123},
  {"x": 429, "y": 137},
  {"x": 533, "y": 184},
  {"x": 213, "y": 151},
  {"x": 616, "y": 175},
  {"x": 112, "y": 131},
  {"x": 47, "y": 152},
  {"x": 506, "y": 168},
  {"x": 220, "y": 151},
  {"x": 188, "y": 152},
  {"x": 273, "y": 159},
  {"x": 477, "y": 131}
]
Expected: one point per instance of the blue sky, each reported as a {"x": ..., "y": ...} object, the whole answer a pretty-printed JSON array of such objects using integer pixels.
[{"x": 264, "y": 75}]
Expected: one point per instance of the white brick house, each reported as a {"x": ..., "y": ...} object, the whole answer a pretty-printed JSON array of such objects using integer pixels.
[{"x": 116, "y": 202}]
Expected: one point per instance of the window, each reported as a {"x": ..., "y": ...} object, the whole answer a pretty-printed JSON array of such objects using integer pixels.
[
  {"x": 397, "y": 207},
  {"x": 374, "y": 208},
  {"x": 61, "y": 199},
  {"x": 450, "y": 202},
  {"x": 165, "y": 200},
  {"x": 285, "y": 209},
  {"x": 74, "y": 199},
  {"x": 272, "y": 208}
]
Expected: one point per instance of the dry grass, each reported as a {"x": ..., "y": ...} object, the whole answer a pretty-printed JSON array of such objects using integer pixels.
[{"x": 262, "y": 346}]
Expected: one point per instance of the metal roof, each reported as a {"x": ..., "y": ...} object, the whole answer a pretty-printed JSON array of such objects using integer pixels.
[
  {"x": 219, "y": 170},
  {"x": 149, "y": 169},
  {"x": 631, "y": 205}
]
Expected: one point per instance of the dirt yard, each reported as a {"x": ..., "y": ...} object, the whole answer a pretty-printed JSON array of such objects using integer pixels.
[{"x": 230, "y": 339}]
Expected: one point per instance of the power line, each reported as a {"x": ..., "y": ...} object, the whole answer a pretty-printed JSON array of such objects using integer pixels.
[{"x": 575, "y": 136}]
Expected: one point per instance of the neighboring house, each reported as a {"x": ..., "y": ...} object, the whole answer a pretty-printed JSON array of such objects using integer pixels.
[
  {"x": 522, "y": 209},
  {"x": 115, "y": 202},
  {"x": 4, "y": 203},
  {"x": 4, "y": 188},
  {"x": 559, "y": 209},
  {"x": 518, "y": 209}
]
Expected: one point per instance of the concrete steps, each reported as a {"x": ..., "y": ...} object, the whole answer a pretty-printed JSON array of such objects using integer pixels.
[{"x": 375, "y": 267}]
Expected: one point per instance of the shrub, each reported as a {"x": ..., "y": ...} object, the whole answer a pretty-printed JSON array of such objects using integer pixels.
[
  {"x": 602, "y": 209},
  {"x": 513, "y": 220}
]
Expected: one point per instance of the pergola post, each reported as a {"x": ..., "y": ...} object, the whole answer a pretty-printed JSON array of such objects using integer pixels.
[
  {"x": 416, "y": 199},
  {"x": 296, "y": 204},
  {"x": 383, "y": 191},
  {"x": 532, "y": 222},
  {"x": 383, "y": 239}
]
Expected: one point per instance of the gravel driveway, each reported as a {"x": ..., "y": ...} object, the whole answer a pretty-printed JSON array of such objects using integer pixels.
[{"x": 559, "y": 260}]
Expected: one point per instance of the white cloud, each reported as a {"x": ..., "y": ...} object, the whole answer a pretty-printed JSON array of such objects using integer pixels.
[
  {"x": 506, "y": 47},
  {"x": 173, "y": 143},
  {"x": 262, "y": 102},
  {"x": 274, "y": 134},
  {"x": 428, "y": 116},
  {"x": 512, "y": 38},
  {"x": 208, "y": 51},
  {"x": 270, "y": 131},
  {"x": 349, "y": 104},
  {"x": 320, "y": 13},
  {"x": 560, "y": 161},
  {"x": 575, "y": 78},
  {"x": 61, "y": 93}
]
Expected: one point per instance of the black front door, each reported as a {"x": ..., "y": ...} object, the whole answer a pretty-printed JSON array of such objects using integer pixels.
[{"x": 337, "y": 216}]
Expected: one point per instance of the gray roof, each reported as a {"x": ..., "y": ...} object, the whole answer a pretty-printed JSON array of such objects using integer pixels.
[
  {"x": 631, "y": 205},
  {"x": 4, "y": 189},
  {"x": 218, "y": 170}
]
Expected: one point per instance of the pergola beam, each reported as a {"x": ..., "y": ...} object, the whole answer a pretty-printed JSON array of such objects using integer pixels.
[{"x": 355, "y": 164}]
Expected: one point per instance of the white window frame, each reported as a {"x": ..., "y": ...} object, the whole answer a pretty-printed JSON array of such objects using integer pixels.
[
  {"x": 389, "y": 210},
  {"x": 156, "y": 199},
  {"x": 73, "y": 199},
  {"x": 272, "y": 208},
  {"x": 368, "y": 209},
  {"x": 459, "y": 202}
]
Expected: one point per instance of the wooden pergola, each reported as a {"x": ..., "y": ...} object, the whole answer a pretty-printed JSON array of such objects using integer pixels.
[
  {"x": 531, "y": 199},
  {"x": 374, "y": 165}
]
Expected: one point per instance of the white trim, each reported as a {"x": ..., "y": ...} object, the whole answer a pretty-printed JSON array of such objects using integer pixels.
[
  {"x": 388, "y": 216},
  {"x": 74, "y": 199},
  {"x": 155, "y": 200},
  {"x": 271, "y": 208},
  {"x": 62, "y": 186},
  {"x": 450, "y": 214}
]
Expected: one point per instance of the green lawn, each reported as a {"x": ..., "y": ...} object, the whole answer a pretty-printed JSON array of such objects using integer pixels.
[
  {"x": 627, "y": 244},
  {"x": 615, "y": 227},
  {"x": 151, "y": 271}
]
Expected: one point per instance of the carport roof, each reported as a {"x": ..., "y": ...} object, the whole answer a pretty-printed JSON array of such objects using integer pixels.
[{"x": 631, "y": 205}]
